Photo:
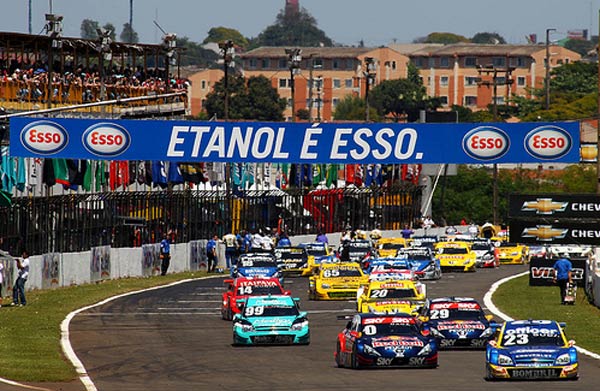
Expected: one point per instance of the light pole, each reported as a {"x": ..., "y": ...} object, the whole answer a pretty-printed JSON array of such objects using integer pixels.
[
  {"x": 294, "y": 59},
  {"x": 169, "y": 46},
  {"x": 54, "y": 31},
  {"x": 227, "y": 51},
  {"x": 319, "y": 100},
  {"x": 547, "y": 78},
  {"x": 104, "y": 54},
  {"x": 369, "y": 73}
]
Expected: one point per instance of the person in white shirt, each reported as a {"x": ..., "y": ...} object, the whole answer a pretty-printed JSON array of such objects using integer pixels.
[
  {"x": 231, "y": 249},
  {"x": 19, "y": 287}
]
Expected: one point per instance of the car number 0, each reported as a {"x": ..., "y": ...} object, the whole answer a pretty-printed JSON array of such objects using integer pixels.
[{"x": 370, "y": 329}]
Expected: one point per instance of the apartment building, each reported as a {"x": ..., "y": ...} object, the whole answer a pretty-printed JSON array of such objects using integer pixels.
[{"x": 462, "y": 74}]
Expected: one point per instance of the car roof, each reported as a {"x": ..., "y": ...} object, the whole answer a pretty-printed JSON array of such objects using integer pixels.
[{"x": 270, "y": 300}]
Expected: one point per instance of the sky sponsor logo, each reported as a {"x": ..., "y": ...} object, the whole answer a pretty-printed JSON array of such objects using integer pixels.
[
  {"x": 106, "y": 139},
  {"x": 486, "y": 143},
  {"x": 44, "y": 137},
  {"x": 548, "y": 142}
]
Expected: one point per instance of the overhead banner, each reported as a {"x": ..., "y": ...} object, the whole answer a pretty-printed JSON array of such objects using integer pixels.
[
  {"x": 189, "y": 141},
  {"x": 541, "y": 272},
  {"x": 554, "y": 233},
  {"x": 555, "y": 206}
]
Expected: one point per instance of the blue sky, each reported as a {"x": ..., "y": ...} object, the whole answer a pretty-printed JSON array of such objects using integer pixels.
[{"x": 377, "y": 22}]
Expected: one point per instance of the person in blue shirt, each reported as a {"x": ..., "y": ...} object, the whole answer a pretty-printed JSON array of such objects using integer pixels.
[
  {"x": 562, "y": 277},
  {"x": 211, "y": 254},
  {"x": 165, "y": 255},
  {"x": 406, "y": 232},
  {"x": 284, "y": 240}
]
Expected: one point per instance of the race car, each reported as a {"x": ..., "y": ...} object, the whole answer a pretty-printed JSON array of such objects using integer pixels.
[
  {"x": 531, "y": 349},
  {"x": 455, "y": 256},
  {"x": 270, "y": 320},
  {"x": 538, "y": 252},
  {"x": 423, "y": 241},
  {"x": 574, "y": 251},
  {"x": 358, "y": 251},
  {"x": 373, "y": 340},
  {"x": 317, "y": 253},
  {"x": 241, "y": 288},
  {"x": 291, "y": 260},
  {"x": 380, "y": 269},
  {"x": 392, "y": 296},
  {"x": 484, "y": 253},
  {"x": 458, "y": 322},
  {"x": 336, "y": 281},
  {"x": 422, "y": 262},
  {"x": 387, "y": 247},
  {"x": 508, "y": 253},
  {"x": 256, "y": 265}
]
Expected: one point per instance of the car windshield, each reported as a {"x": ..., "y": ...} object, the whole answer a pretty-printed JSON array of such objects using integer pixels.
[
  {"x": 341, "y": 272},
  {"x": 389, "y": 329},
  {"x": 270, "y": 310},
  {"x": 316, "y": 251},
  {"x": 417, "y": 256},
  {"x": 392, "y": 293},
  {"x": 456, "y": 314},
  {"x": 481, "y": 246},
  {"x": 532, "y": 336},
  {"x": 507, "y": 244},
  {"x": 453, "y": 250},
  {"x": 257, "y": 262},
  {"x": 260, "y": 290},
  {"x": 392, "y": 246}
]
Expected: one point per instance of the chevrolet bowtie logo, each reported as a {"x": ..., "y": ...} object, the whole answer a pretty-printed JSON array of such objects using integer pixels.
[
  {"x": 545, "y": 233},
  {"x": 544, "y": 206}
]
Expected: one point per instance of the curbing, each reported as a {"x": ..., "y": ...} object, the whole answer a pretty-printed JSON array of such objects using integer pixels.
[
  {"x": 64, "y": 329},
  {"x": 487, "y": 301}
]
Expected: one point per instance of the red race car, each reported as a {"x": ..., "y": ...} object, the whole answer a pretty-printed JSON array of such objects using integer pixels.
[{"x": 241, "y": 288}]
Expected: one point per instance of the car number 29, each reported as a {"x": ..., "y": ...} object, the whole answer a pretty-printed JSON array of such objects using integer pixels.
[{"x": 440, "y": 314}]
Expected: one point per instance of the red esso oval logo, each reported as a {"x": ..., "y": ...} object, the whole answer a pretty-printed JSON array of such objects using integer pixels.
[
  {"x": 106, "y": 139},
  {"x": 548, "y": 142},
  {"x": 44, "y": 137},
  {"x": 486, "y": 143}
]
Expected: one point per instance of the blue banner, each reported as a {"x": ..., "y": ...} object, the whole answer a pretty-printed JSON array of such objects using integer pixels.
[{"x": 372, "y": 143}]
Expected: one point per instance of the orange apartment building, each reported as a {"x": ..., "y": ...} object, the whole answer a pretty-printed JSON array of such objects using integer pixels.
[{"x": 451, "y": 72}]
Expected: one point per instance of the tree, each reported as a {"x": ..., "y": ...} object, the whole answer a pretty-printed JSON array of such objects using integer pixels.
[
  {"x": 194, "y": 54},
  {"x": 402, "y": 97},
  {"x": 88, "y": 29},
  {"x": 128, "y": 34},
  {"x": 445, "y": 38},
  {"x": 490, "y": 38},
  {"x": 220, "y": 34},
  {"x": 575, "y": 79},
  {"x": 353, "y": 108},
  {"x": 297, "y": 29},
  {"x": 254, "y": 99},
  {"x": 581, "y": 46}
]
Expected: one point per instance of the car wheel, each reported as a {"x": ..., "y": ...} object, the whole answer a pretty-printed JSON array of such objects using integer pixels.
[
  {"x": 354, "y": 359},
  {"x": 338, "y": 357},
  {"x": 229, "y": 314},
  {"x": 488, "y": 374},
  {"x": 312, "y": 295}
]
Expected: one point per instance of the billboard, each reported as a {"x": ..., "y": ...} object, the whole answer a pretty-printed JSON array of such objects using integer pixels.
[
  {"x": 554, "y": 206},
  {"x": 346, "y": 143},
  {"x": 523, "y": 231},
  {"x": 541, "y": 272}
]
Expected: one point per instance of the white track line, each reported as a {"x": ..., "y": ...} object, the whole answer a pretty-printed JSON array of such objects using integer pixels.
[
  {"x": 64, "y": 329},
  {"x": 487, "y": 300},
  {"x": 14, "y": 383}
]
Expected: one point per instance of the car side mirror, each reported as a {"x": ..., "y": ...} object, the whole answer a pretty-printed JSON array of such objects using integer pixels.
[
  {"x": 493, "y": 343},
  {"x": 571, "y": 343},
  {"x": 490, "y": 318},
  {"x": 355, "y": 334}
]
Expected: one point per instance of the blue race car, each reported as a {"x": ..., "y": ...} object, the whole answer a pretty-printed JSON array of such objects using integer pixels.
[
  {"x": 531, "y": 349},
  {"x": 422, "y": 262},
  {"x": 270, "y": 320},
  {"x": 373, "y": 340},
  {"x": 458, "y": 322},
  {"x": 257, "y": 265}
]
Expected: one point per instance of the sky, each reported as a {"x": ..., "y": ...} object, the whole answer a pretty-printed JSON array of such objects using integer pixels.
[{"x": 347, "y": 22}]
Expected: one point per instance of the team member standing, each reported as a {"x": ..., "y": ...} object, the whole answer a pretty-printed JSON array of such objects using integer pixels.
[
  {"x": 165, "y": 255},
  {"x": 231, "y": 249},
  {"x": 563, "y": 267},
  {"x": 211, "y": 254},
  {"x": 19, "y": 287}
]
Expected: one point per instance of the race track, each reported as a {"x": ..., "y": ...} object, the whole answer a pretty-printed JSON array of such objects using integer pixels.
[{"x": 174, "y": 339}]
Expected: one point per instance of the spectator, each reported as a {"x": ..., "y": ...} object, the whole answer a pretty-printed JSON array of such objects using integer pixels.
[
  {"x": 322, "y": 238},
  {"x": 19, "y": 287},
  {"x": 211, "y": 253},
  {"x": 451, "y": 230},
  {"x": 406, "y": 232},
  {"x": 231, "y": 249},
  {"x": 563, "y": 276},
  {"x": 284, "y": 240},
  {"x": 165, "y": 255},
  {"x": 267, "y": 242},
  {"x": 428, "y": 222},
  {"x": 257, "y": 240},
  {"x": 473, "y": 230}
]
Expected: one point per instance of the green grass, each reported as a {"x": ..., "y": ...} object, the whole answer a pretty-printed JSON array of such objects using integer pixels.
[
  {"x": 30, "y": 336},
  {"x": 521, "y": 301}
]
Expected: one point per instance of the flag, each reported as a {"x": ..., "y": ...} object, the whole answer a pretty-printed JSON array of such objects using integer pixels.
[
  {"x": 35, "y": 171},
  {"x": 144, "y": 172},
  {"x": 100, "y": 175},
  {"x": 248, "y": 175},
  {"x": 159, "y": 174},
  {"x": 7, "y": 170},
  {"x": 87, "y": 176},
  {"x": 332, "y": 174},
  {"x": 319, "y": 171},
  {"x": 236, "y": 173},
  {"x": 175, "y": 177},
  {"x": 61, "y": 171},
  {"x": 48, "y": 176},
  {"x": 21, "y": 174}
]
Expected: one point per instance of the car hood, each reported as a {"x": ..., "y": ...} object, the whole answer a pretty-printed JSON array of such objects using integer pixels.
[
  {"x": 257, "y": 271},
  {"x": 534, "y": 353},
  {"x": 274, "y": 321},
  {"x": 458, "y": 326},
  {"x": 420, "y": 265}
]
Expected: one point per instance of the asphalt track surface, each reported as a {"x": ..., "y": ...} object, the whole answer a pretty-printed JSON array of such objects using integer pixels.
[{"x": 174, "y": 339}]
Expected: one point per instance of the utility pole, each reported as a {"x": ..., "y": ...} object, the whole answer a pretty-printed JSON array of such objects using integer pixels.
[
  {"x": 495, "y": 83},
  {"x": 227, "y": 52},
  {"x": 598, "y": 116},
  {"x": 54, "y": 31},
  {"x": 369, "y": 73},
  {"x": 319, "y": 100},
  {"x": 294, "y": 59},
  {"x": 547, "y": 78}
]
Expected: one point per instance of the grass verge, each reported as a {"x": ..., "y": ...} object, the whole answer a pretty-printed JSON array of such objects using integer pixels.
[
  {"x": 521, "y": 301},
  {"x": 30, "y": 336}
]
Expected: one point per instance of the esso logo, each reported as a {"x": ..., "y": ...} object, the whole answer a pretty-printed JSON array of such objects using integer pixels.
[
  {"x": 486, "y": 143},
  {"x": 106, "y": 139},
  {"x": 44, "y": 137},
  {"x": 548, "y": 142}
]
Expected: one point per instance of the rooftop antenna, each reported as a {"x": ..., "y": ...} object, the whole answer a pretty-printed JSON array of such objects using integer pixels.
[{"x": 161, "y": 29}]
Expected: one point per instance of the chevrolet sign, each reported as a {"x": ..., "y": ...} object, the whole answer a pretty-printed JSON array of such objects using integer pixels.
[
  {"x": 585, "y": 206},
  {"x": 558, "y": 233}
]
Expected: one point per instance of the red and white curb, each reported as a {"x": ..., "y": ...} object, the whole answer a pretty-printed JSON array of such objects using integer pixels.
[{"x": 487, "y": 301}]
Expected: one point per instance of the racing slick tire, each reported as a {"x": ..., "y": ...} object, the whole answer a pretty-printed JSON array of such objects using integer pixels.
[
  {"x": 488, "y": 374},
  {"x": 354, "y": 359},
  {"x": 228, "y": 314},
  {"x": 338, "y": 352}
]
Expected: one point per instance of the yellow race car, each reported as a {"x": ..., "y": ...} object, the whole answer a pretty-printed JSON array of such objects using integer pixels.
[
  {"x": 336, "y": 281},
  {"x": 388, "y": 247},
  {"x": 508, "y": 253},
  {"x": 318, "y": 253},
  {"x": 456, "y": 256},
  {"x": 391, "y": 297}
]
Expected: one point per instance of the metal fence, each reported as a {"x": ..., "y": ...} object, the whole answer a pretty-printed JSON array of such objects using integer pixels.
[{"x": 71, "y": 223}]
